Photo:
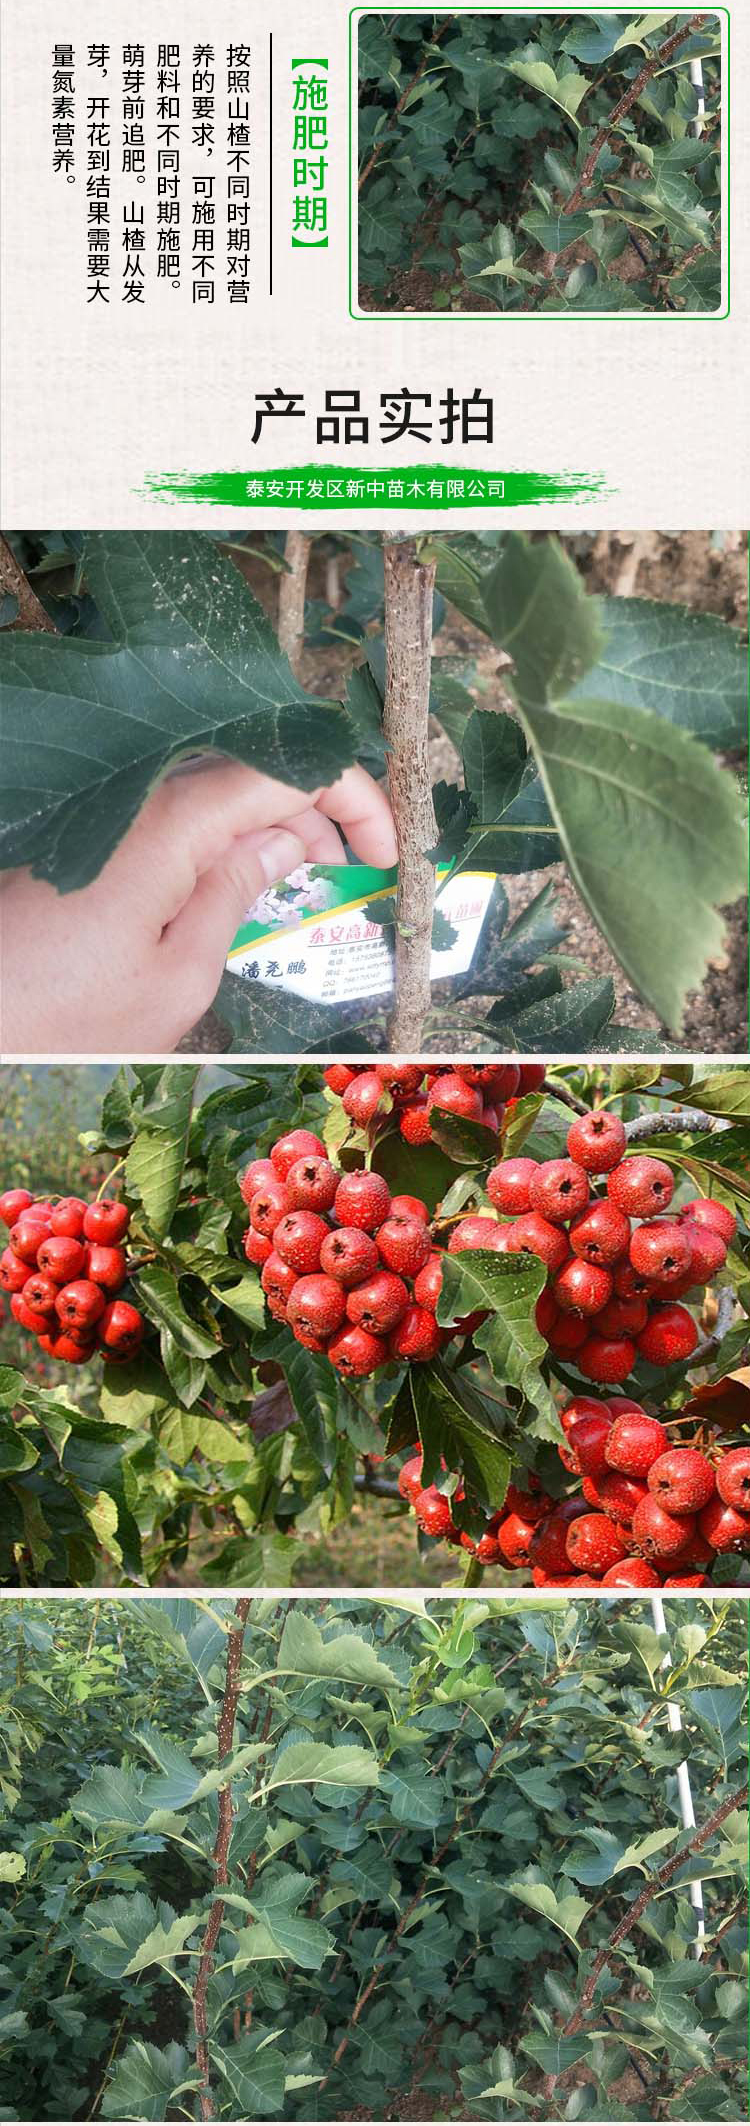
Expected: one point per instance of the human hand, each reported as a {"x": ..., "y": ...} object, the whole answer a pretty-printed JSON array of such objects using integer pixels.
[{"x": 127, "y": 965}]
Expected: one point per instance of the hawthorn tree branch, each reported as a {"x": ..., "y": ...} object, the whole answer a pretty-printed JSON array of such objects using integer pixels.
[
  {"x": 409, "y": 587},
  {"x": 220, "y": 1856},
  {"x": 31, "y": 614},
  {"x": 635, "y": 1911},
  {"x": 401, "y": 105},
  {"x": 292, "y": 589},
  {"x": 620, "y": 111}
]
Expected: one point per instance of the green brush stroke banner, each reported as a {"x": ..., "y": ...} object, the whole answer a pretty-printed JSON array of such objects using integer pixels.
[{"x": 417, "y": 487}]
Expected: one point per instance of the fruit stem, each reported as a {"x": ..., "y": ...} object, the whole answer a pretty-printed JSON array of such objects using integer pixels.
[
  {"x": 474, "y": 1573},
  {"x": 109, "y": 1177}
]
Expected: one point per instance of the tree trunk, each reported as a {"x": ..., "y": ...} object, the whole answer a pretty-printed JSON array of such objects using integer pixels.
[
  {"x": 220, "y": 1857},
  {"x": 409, "y": 586},
  {"x": 292, "y": 588}
]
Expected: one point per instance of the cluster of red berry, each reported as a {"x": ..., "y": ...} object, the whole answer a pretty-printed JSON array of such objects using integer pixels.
[
  {"x": 648, "y": 1513},
  {"x": 62, "y": 1267},
  {"x": 475, "y": 1092},
  {"x": 616, "y": 1265},
  {"x": 341, "y": 1258}
]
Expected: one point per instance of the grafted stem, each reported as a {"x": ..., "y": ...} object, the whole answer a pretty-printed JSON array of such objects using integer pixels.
[
  {"x": 292, "y": 591},
  {"x": 409, "y": 587}
]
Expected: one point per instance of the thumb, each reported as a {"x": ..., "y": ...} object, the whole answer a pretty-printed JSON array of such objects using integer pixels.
[{"x": 198, "y": 940}]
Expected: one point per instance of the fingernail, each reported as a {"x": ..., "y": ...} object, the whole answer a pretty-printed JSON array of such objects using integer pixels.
[{"x": 279, "y": 853}]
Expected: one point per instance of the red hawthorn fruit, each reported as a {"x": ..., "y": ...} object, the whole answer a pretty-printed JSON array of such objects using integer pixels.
[
  {"x": 559, "y": 1190},
  {"x": 708, "y": 1252},
  {"x": 410, "y": 1478},
  {"x": 623, "y": 1317},
  {"x": 79, "y": 1304},
  {"x": 297, "y": 1144},
  {"x": 635, "y": 1442},
  {"x": 106, "y": 1221},
  {"x": 40, "y": 1292},
  {"x": 354, "y": 1352},
  {"x": 597, "y": 1141},
  {"x": 628, "y": 1285},
  {"x": 601, "y": 1234},
  {"x": 62, "y": 1259},
  {"x": 606, "y": 1358},
  {"x": 593, "y": 1544},
  {"x": 106, "y": 1267},
  {"x": 660, "y": 1249},
  {"x": 533, "y": 1505},
  {"x": 414, "y": 1123},
  {"x": 618, "y": 1496},
  {"x": 682, "y": 1480},
  {"x": 703, "y": 1210},
  {"x": 531, "y": 1234},
  {"x": 496, "y": 1081},
  {"x": 548, "y": 1544},
  {"x": 403, "y": 1244},
  {"x": 433, "y": 1511},
  {"x": 298, "y": 1239},
  {"x": 620, "y": 1404},
  {"x": 723, "y": 1527},
  {"x": 657, "y": 1533},
  {"x": 364, "y": 1098},
  {"x": 504, "y": 1242},
  {"x": 409, "y": 1207},
  {"x": 257, "y": 1246},
  {"x": 349, "y": 1255},
  {"x": 508, "y": 1184},
  {"x": 670, "y": 1336},
  {"x": 569, "y": 1333},
  {"x": 633, "y": 1572},
  {"x": 641, "y": 1186},
  {"x": 277, "y": 1280},
  {"x": 581, "y": 1406},
  {"x": 67, "y": 1349},
  {"x": 362, "y": 1199},
  {"x": 13, "y": 1204},
  {"x": 732, "y": 1477},
  {"x": 379, "y": 1303},
  {"x": 582, "y": 1288},
  {"x": 66, "y": 1219},
  {"x": 268, "y": 1205},
  {"x": 316, "y": 1305},
  {"x": 26, "y": 1237},
  {"x": 695, "y": 1553},
  {"x": 586, "y": 1440},
  {"x": 416, "y": 1336},
  {"x": 686, "y": 1579},
  {"x": 455, "y": 1097},
  {"x": 473, "y": 1232},
  {"x": 34, "y": 1319},
  {"x": 514, "y": 1536},
  {"x": 531, "y": 1078},
  {"x": 337, "y": 1076},
  {"x": 120, "y": 1329},
  {"x": 309, "y": 1337},
  {"x": 256, "y": 1175},
  {"x": 488, "y": 1550},
  {"x": 546, "y": 1312},
  {"x": 311, "y": 1184},
  {"x": 400, "y": 1079},
  {"x": 14, "y": 1273},
  {"x": 428, "y": 1282}
]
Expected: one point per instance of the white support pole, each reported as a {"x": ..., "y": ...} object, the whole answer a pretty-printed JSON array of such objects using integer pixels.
[
  {"x": 683, "y": 1776},
  {"x": 696, "y": 75}
]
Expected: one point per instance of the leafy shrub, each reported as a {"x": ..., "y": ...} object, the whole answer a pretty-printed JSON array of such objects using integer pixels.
[
  {"x": 225, "y": 1427},
  {"x": 550, "y": 162}
]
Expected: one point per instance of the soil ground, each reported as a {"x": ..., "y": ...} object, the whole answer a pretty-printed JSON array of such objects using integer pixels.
[{"x": 704, "y": 570}]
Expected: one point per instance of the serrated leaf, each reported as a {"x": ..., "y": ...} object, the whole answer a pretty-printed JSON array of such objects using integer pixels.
[
  {"x": 506, "y": 1287},
  {"x": 455, "y": 1423},
  {"x": 688, "y": 667},
  {"x": 160, "y": 1294},
  {"x": 317, "y": 1764},
  {"x": 144, "y": 2081},
  {"x": 567, "y": 1913},
  {"x": 255, "y": 2076},
  {"x": 540, "y": 612},
  {"x": 303, "y": 1651},
  {"x": 621, "y": 782}
]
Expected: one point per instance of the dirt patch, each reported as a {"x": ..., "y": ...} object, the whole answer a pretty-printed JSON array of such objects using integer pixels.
[{"x": 704, "y": 570}]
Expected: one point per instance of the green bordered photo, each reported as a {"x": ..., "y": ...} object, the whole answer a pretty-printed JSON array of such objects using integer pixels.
[{"x": 531, "y": 163}]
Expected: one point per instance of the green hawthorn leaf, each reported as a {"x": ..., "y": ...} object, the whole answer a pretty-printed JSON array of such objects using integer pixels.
[
  {"x": 415, "y": 1797},
  {"x": 254, "y": 2074},
  {"x": 285, "y": 1938},
  {"x": 454, "y": 1422},
  {"x": 542, "y": 1017},
  {"x": 413, "y": 1169},
  {"x": 156, "y": 1159},
  {"x": 460, "y": 577},
  {"x": 643, "y": 1849},
  {"x": 317, "y": 1764},
  {"x": 193, "y": 666},
  {"x": 653, "y": 833},
  {"x": 120, "y": 1934},
  {"x": 688, "y": 667},
  {"x": 465, "y": 1142},
  {"x": 12, "y": 1867},
  {"x": 506, "y": 1287},
  {"x": 164, "y": 1941},
  {"x": 567, "y": 1913},
  {"x": 566, "y": 90},
  {"x": 540, "y": 612},
  {"x": 145, "y": 2080},
  {"x": 303, "y": 1651},
  {"x": 159, "y": 1292},
  {"x": 511, "y": 829},
  {"x": 554, "y": 231}
]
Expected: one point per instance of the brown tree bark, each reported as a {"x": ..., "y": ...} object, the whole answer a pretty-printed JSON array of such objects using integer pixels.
[
  {"x": 292, "y": 589},
  {"x": 220, "y": 1856},
  {"x": 409, "y": 587},
  {"x": 31, "y": 614}
]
